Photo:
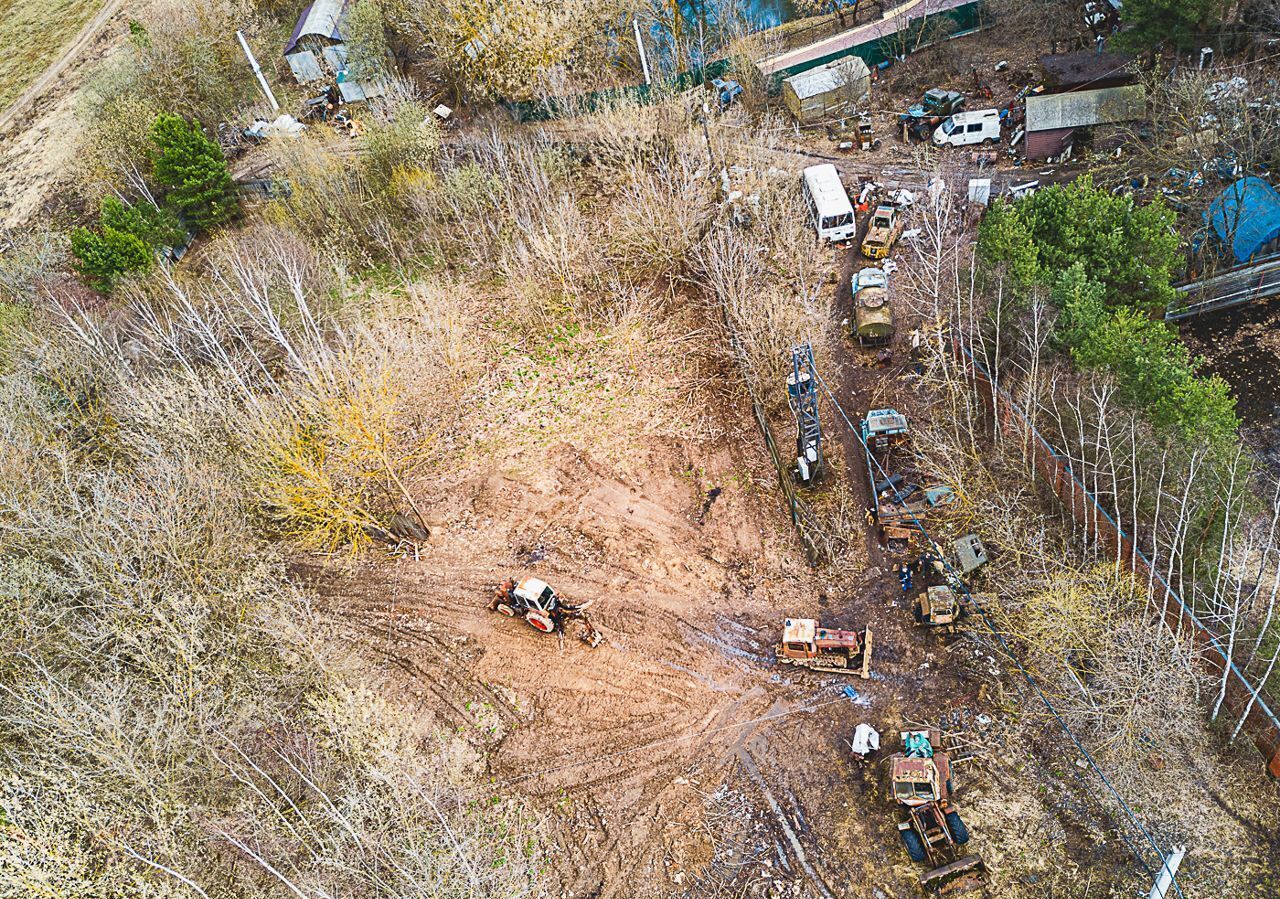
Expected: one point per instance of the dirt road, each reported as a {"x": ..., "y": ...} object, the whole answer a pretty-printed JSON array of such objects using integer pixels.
[
  {"x": 39, "y": 131},
  {"x": 50, "y": 75}
]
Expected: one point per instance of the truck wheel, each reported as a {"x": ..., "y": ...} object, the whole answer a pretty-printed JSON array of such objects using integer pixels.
[
  {"x": 915, "y": 848},
  {"x": 505, "y": 610},
  {"x": 540, "y": 622},
  {"x": 959, "y": 832},
  {"x": 988, "y": 140}
]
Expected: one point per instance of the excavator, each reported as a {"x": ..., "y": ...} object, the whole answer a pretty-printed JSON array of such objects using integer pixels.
[{"x": 544, "y": 609}]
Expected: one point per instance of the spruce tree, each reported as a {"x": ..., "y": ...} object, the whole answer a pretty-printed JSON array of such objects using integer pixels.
[{"x": 102, "y": 257}]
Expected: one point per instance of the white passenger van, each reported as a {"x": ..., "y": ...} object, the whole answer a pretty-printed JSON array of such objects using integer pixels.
[
  {"x": 978, "y": 127},
  {"x": 829, "y": 205}
]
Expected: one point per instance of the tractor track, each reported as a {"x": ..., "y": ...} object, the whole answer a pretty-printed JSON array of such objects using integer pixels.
[{"x": 602, "y": 740}]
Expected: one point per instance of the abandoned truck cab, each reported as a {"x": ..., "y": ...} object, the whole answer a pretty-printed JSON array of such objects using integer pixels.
[
  {"x": 939, "y": 606},
  {"x": 919, "y": 773},
  {"x": 917, "y": 781},
  {"x": 883, "y": 428},
  {"x": 882, "y": 232}
]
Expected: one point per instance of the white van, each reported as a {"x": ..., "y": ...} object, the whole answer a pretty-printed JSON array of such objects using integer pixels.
[
  {"x": 978, "y": 127},
  {"x": 829, "y": 205}
]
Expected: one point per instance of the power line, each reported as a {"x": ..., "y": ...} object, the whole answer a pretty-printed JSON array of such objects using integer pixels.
[{"x": 1048, "y": 704}]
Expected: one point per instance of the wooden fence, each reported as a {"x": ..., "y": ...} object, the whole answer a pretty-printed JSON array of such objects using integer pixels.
[{"x": 1242, "y": 698}]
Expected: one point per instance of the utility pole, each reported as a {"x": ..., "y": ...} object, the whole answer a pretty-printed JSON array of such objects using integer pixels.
[
  {"x": 1167, "y": 873},
  {"x": 644, "y": 59},
  {"x": 706, "y": 135},
  {"x": 802, "y": 396},
  {"x": 266, "y": 88}
]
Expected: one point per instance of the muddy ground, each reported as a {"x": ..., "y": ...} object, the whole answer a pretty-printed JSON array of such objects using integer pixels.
[
  {"x": 679, "y": 759},
  {"x": 1241, "y": 345}
]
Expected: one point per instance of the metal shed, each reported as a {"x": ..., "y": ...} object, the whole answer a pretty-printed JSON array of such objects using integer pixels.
[
  {"x": 1246, "y": 218},
  {"x": 351, "y": 87},
  {"x": 828, "y": 91},
  {"x": 305, "y": 66},
  {"x": 1053, "y": 118},
  {"x": 319, "y": 26}
]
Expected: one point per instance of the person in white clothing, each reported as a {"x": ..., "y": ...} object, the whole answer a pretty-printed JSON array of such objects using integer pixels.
[{"x": 865, "y": 741}]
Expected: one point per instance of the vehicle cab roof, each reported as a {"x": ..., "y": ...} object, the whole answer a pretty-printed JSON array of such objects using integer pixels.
[
  {"x": 799, "y": 630},
  {"x": 532, "y": 588},
  {"x": 869, "y": 277}
]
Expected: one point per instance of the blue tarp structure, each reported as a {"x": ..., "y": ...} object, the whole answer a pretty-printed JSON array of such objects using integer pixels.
[{"x": 1246, "y": 217}]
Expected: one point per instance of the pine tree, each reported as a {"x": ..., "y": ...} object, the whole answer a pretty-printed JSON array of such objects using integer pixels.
[
  {"x": 126, "y": 241},
  {"x": 102, "y": 257},
  {"x": 154, "y": 227},
  {"x": 191, "y": 170}
]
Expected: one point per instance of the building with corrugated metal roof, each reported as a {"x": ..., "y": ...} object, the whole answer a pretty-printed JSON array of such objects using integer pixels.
[
  {"x": 827, "y": 92},
  {"x": 1052, "y": 119},
  {"x": 318, "y": 44},
  {"x": 319, "y": 26}
]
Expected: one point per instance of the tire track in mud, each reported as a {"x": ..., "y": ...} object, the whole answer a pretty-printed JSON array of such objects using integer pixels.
[
  {"x": 744, "y": 757},
  {"x": 677, "y": 662},
  {"x": 615, "y": 861},
  {"x": 440, "y": 679}
]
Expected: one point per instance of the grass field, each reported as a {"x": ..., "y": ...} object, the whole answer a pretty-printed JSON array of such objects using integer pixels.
[{"x": 32, "y": 34}]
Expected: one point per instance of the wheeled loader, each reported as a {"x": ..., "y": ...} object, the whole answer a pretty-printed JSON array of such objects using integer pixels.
[
  {"x": 807, "y": 644},
  {"x": 939, "y": 607},
  {"x": 933, "y": 832},
  {"x": 544, "y": 609}
]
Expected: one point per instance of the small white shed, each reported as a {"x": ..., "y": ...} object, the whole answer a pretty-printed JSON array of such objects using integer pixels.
[{"x": 829, "y": 91}]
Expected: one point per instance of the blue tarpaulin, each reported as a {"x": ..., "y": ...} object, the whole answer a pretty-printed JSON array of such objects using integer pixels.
[{"x": 1246, "y": 217}]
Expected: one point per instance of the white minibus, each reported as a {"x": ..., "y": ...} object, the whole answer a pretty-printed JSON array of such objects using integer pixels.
[{"x": 829, "y": 205}]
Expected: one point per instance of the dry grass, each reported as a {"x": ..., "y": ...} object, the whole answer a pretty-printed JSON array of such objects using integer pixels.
[
  {"x": 159, "y": 662},
  {"x": 33, "y": 35}
]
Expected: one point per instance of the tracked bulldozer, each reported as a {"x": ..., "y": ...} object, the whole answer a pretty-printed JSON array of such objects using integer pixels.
[
  {"x": 544, "y": 609},
  {"x": 807, "y": 644},
  {"x": 933, "y": 832}
]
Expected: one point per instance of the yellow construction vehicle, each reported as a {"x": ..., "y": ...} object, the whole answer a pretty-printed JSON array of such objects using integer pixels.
[{"x": 882, "y": 232}]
